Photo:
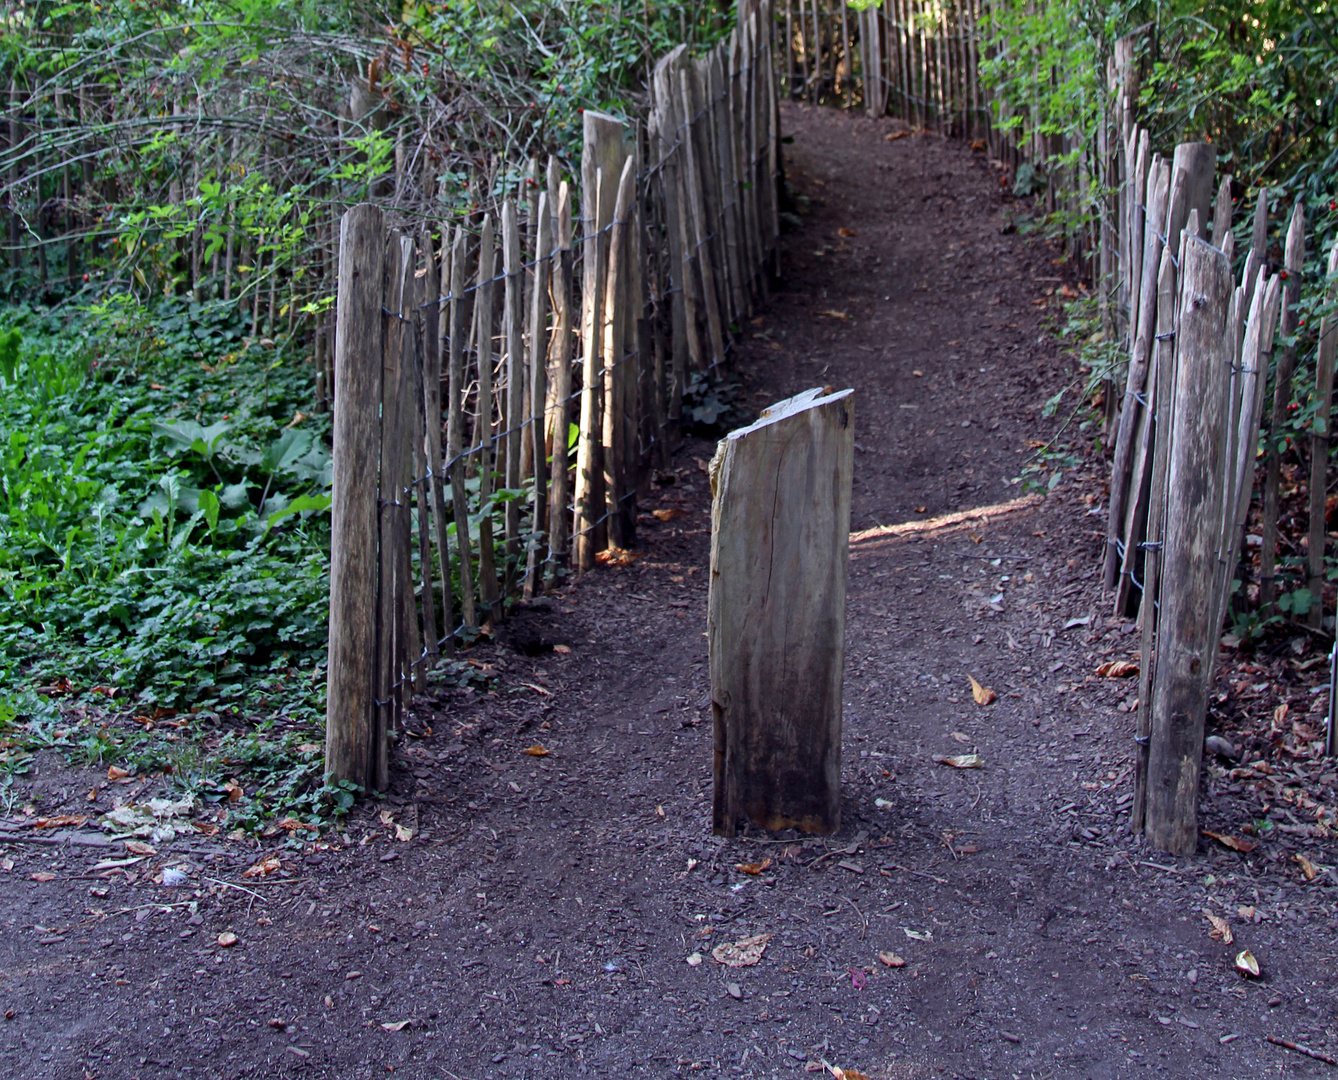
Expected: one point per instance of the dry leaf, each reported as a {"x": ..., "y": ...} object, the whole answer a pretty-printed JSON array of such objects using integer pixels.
[
  {"x": 1221, "y": 930},
  {"x": 694, "y": 960},
  {"x": 536, "y": 751},
  {"x": 227, "y": 939},
  {"x": 564, "y": 649},
  {"x": 234, "y": 790},
  {"x": 753, "y": 867},
  {"x": 744, "y": 953},
  {"x": 891, "y": 959},
  {"x": 387, "y": 817},
  {"x": 138, "y": 847},
  {"x": 834, "y": 314},
  {"x": 1246, "y": 964},
  {"x": 59, "y": 821},
  {"x": 1233, "y": 842},
  {"x": 42, "y": 875},
  {"x": 1117, "y": 669},
  {"x": 963, "y": 761},
  {"x": 976, "y": 538},
  {"x": 1307, "y": 867},
  {"x": 263, "y": 868},
  {"x": 921, "y": 509},
  {"x": 983, "y": 694},
  {"x": 398, "y": 1025},
  {"x": 1246, "y": 912},
  {"x": 402, "y": 834},
  {"x": 959, "y": 737},
  {"x": 115, "y": 772},
  {"x": 291, "y": 824},
  {"x": 893, "y": 136},
  {"x": 670, "y": 514},
  {"x": 847, "y": 232},
  {"x": 1280, "y": 713}
]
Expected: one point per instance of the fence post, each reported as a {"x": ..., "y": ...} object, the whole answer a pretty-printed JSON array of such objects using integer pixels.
[
  {"x": 622, "y": 527},
  {"x": 1319, "y": 448},
  {"x": 489, "y": 595},
  {"x": 1186, "y": 637},
  {"x": 543, "y": 253},
  {"x": 350, "y": 752},
  {"x": 776, "y": 616},
  {"x": 455, "y": 423},
  {"x": 559, "y": 523},
  {"x": 513, "y": 335}
]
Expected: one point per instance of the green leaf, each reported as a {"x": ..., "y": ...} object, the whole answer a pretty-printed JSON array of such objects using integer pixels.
[{"x": 302, "y": 504}]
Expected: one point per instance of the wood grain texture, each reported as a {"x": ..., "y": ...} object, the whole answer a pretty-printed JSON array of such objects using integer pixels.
[
  {"x": 535, "y": 432},
  {"x": 455, "y": 423},
  {"x": 350, "y": 680},
  {"x": 513, "y": 332},
  {"x": 437, "y": 320},
  {"x": 1186, "y": 638},
  {"x": 490, "y": 596},
  {"x": 776, "y": 617},
  {"x": 559, "y": 527}
]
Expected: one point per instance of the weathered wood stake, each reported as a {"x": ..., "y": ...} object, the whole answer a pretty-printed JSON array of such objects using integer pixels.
[{"x": 776, "y": 619}]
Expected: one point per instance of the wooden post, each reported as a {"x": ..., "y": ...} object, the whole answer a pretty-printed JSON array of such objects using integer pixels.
[
  {"x": 602, "y": 160},
  {"x": 543, "y": 259},
  {"x": 558, "y": 423},
  {"x": 1282, "y": 396},
  {"x": 697, "y": 216},
  {"x": 489, "y": 594},
  {"x": 1319, "y": 445},
  {"x": 512, "y": 320},
  {"x": 394, "y": 442},
  {"x": 436, "y": 317},
  {"x": 421, "y": 477},
  {"x": 455, "y": 423},
  {"x": 1187, "y": 640},
  {"x": 776, "y": 616},
  {"x": 350, "y": 752},
  {"x": 615, "y": 323},
  {"x": 1140, "y": 358},
  {"x": 1163, "y": 366}
]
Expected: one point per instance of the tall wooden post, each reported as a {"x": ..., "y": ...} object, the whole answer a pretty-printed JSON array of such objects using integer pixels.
[
  {"x": 776, "y": 618},
  {"x": 1186, "y": 636},
  {"x": 350, "y": 753}
]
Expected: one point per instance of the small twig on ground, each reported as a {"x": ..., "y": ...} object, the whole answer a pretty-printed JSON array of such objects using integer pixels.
[
  {"x": 230, "y": 885},
  {"x": 917, "y": 873},
  {"x": 1318, "y": 1055},
  {"x": 989, "y": 558},
  {"x": 1158, "y": 866},
  {"x": 863, "y": 922}
]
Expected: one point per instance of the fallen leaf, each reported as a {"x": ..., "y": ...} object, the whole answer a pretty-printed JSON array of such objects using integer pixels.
[
  {"x": 398, "y": 1025},
  {"x": 918, "y": 935},
  {"x": 976, "y": 538},
  {"x": 963, "y": 761},
  {"x": 918, "y": 374},
  {"x": 234, "y": 790},
  {"x": 1307, "y": 867},
  {"x": 115, "y": 772},
  {"x": 847, "y": 232},
  {"x": 387, "y": 817},
  {"x": 58, "y": 822},
  {"x": 694, "y": 960},
  {"x": 983, "y": 694},
  {"x": 921, "y": 509},
  {"x": 309, "y": 747},
  {"x": 893, "y": 136},
  {"x": 6, "y": 865},
  {"x": 753, "y": 868},
  {"x": 1221, "y": 930},
  {"x": 402, "y": 834},
  {"x": 227, "y": 939},
  {"x": 734, "y": 990},
  {"x": 857, "y": 978},
  {"x": 744, "y": 953},
  {"x": 1232, "y": 842},
  {"x": 263, "y": 868},
  {"x": 564, "y": 649},
  {"x": 291, "y": 824},
  {"x": 42, "y": 875},
  {"x": 536, "y": 751},
  {"x": 1246, "y": 964},
  {"x": 958, "y": 736},
  {"x": 659, "y": 812},
  {"x": 1117, "y": 669},
  {"x": 834, "y": 314},
  {"x": 138, "y": 847},
  {"x": 1280, "y": 713},
  {"x": 883, "y": 804},
  {"x": 669, "y": 514},
  {"x": 891, "y": 959}
]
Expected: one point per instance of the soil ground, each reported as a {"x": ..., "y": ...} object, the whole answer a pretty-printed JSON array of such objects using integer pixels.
[{"x": 541, "y": 921}]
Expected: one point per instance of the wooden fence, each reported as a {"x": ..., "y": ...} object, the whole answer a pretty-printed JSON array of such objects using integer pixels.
[{"x": 587, "y": 335}]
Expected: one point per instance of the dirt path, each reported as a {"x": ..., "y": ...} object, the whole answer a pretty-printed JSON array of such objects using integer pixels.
[{"x": 542, "y": 920}]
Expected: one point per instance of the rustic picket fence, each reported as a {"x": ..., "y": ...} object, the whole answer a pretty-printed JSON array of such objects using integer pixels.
[
  {"x": 594, "y": 323},
  {"x": 1183, "y": 475}
]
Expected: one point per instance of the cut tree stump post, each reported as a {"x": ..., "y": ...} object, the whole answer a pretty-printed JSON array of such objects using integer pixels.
[
  {"x": 1186, "y": 636},
  {"x": 776, "y": 619}
]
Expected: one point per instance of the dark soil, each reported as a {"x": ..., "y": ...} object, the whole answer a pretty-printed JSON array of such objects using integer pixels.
[{"x": 541, "y": 920}]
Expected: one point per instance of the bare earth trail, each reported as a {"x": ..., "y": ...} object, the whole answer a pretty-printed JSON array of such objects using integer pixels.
[{"x": 540, "y": 922}]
